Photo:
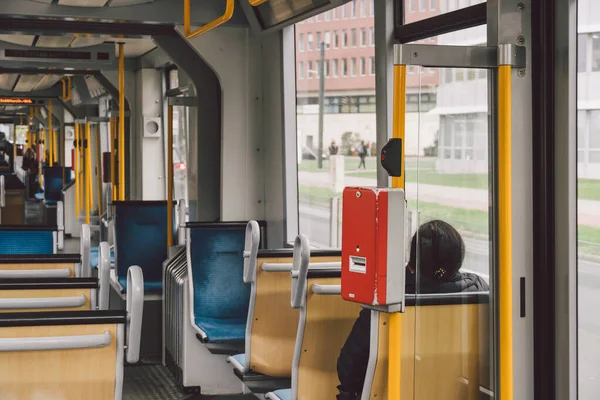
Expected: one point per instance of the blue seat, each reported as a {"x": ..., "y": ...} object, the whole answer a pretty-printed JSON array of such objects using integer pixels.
[
  {"x": 25, "y": 240},
  {"x": 222, "y": 330},
  {"x": 141, "y": 239},
  {"x": 53, "y": 184},
  {"x": 39, "y": 196},
  {"x": 221, "y": 297},
  {"x": 149, "y": 287},
  {"x": 94, "y": 257},
  {"x": 283, "y": 394}
]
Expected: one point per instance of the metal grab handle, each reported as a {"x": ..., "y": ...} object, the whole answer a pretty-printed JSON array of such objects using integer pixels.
[
  {"x": 55, "y": 342},
  {"x": 35, "y": 273},
  {"x": 181, "y": 216},
  {"x": 85, "y": 248},
  {"x": 40, "y": 302},
  {"x": 2, "y": 192},
  {"x": 103, "y": 275},
  {"x": 287, "y": 267},
  {"x": 60, "y": 221},
  {"x": 273, "y": 267},
  {"x": 135, "y": 312},
  {"x": 326, "y": 289},
  {"x": 251, "y": 251},
  {"x": 219, "y": 21},
  {"x": 300, "y": 270},
  {"x": 66, "y": 89}
]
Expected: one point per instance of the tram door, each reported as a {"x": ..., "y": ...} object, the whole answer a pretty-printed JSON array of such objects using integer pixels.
[
  {"x": 447, "y": 184},
  {"x": 456, "y": 143}
]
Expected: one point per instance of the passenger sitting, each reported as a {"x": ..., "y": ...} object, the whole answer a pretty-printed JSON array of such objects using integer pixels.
[{"x": 441, "y": 254}]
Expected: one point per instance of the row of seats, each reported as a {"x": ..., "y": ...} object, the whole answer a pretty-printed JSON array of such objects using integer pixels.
[
  {"x": 445, "y": 336},
  {"x": 56, "y": 340}
]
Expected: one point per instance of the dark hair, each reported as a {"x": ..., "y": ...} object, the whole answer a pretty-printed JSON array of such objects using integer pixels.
[{"x": 441, "y": 250}]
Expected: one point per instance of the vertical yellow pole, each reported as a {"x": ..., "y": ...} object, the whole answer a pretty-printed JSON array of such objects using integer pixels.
[
  {"x": 170, "y": 176},
  {"x": 15, "y": 144},
  {"x": 50, "y": 147},
  {"x": 505, "y": 230},
  {"x": 42, "y": 151},
  {"x": 99, "y": 169},
  {"x": 50, "y": 144},
  {"x": 398, "y": 132},
  {"x": 121, "y": 122},
  {"x": 63, "y": 156},
  {"x": 113, "y": 154},
  {"x": 88, "y": 174},
  {"x": 76, "y": 166}
]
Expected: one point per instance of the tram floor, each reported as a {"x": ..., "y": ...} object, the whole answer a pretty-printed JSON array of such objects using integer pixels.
[{"x": 155, "y": 382}]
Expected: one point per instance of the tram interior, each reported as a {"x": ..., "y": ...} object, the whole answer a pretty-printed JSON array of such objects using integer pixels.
[{"x": 170, "y": 230}]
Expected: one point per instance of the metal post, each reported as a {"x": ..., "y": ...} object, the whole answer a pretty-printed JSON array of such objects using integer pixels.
[
  {"x": 76, "y": 167},
  {"x": 99, "y": 169},
  {"x": 121, "y": 122},
  {"x": 113, "y": 154},
  {"x": 398, "y": 131},
  {"x": 321, "y": 103},
  {"x": 170, "y": 176},
  {"x": 88, "y": 173},
  {"x": 505, "y": 212},
  {"x": 50, "y": 146}
]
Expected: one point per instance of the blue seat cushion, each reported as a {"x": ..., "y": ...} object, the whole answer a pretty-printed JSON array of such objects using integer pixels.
[
  {"x": 94, "y": 257},
  {"x": 50, "y": 202},
  {"x": 149, "y": 287},
  {"x": 283, "y": 394},
  {"x": 26, "y": 242},
  {"x": 221, "y": 330},
  {"x": 39, "y": 196}
]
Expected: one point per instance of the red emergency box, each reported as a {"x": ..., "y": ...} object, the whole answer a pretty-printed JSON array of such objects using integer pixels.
[{"x": 373, "y": 245}]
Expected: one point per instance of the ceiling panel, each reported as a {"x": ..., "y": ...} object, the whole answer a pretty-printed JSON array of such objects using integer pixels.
[
  {"x": 28, "y": 82},
  {"x": 135, "y": 47},
  {"x": 82, "y": 41},
  {"x": 54, "y": 41},
  {"x": 7, "y": 81},
  {"x": 47, "y": 82},
  {"x": 83, "y": 3},
  {"x": 118, "y": 3},
  {"x": 24, "y": 40}
]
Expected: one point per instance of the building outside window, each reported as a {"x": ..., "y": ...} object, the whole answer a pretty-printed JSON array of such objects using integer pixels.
[
  {"x": 353, "y": 37},
  {"x": 363, "y": 37}
]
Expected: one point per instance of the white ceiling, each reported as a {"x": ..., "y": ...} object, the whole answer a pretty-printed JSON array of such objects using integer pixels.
[{"x": 96, "y": 3}]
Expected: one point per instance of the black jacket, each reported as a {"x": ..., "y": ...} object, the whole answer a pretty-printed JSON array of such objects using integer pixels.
[{"x": 352, "y": 362}]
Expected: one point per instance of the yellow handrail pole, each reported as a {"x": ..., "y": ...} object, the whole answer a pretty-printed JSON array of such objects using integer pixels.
[
  {"x": 99, "y": 169},
  {"x": 63, "y": 156},
  {"x": 121, "y": 122},
  {"x": 76, "y": 167},
  {"x": 256, "y": 3},
  {"x": 15, "y": 144},
  {"x": 113, "y": 154},
  {"x": 505, "y": 230},
  {"x": 66, "y": 89},
  {"x": 50, "y": 147},
  {"x": 88, "y": 174},
  {"x": 398, "y": 132},
  {"x": 219, "y": 21},
  {"x": 42, "y": 147},
  {"x": 170, "y": 176}
]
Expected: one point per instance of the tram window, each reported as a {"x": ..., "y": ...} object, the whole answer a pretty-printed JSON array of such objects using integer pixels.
[
  {"x": 588, "y": 197},
  {"x": 173, "y": 78},
  {"x": 596, "y": 52},
  {"x": 582, "y": 52},
  {"x": 594, "y": 139}
]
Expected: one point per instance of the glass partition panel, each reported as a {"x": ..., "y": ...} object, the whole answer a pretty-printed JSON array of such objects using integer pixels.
[
  {"x": 588, "y": 200},
  {"x": 448, "y": 191}
]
